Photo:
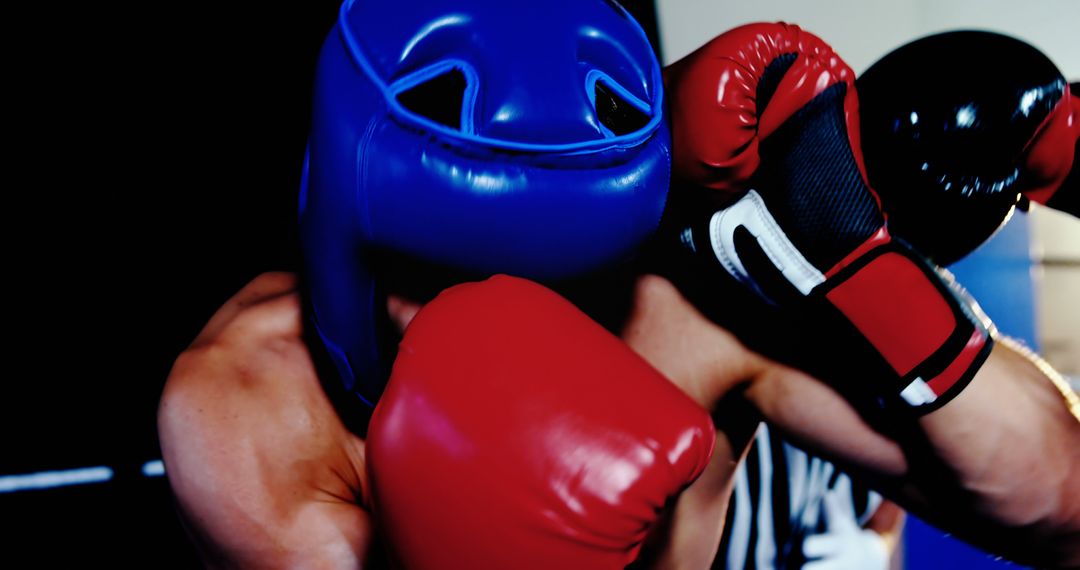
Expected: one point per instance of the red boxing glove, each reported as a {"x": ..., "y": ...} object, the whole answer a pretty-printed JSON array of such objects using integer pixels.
[
  {"x": 771, "y": 107},
  {"x": 1059, "y": 183},
  {"x": 1067, "y": 196},
  {"x": 517, "y": 433},
  {"x": 722, "y": 103}
]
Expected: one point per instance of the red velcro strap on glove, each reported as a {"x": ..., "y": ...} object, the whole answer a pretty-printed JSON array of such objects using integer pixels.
[
  {"x": 891, "y": 301},
  {"x": 914, "y": 321}
]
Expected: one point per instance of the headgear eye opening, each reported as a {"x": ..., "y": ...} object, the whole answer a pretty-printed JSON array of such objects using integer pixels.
[
  {"x": 618, "y": 111},
  {"x": 443, "y": 94},
  {"x": 438, "y": 99}
]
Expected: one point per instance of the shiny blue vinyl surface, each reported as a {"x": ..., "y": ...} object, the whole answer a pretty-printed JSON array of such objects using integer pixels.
[{"x": 532, "y": 176}]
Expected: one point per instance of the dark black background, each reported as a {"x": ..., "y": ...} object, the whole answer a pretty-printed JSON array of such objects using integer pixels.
[
  {"x": 157, "y": 153},
  {"x": 157, "y": 158}
]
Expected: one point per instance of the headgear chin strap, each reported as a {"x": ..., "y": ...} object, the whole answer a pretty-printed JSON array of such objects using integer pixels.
[{"x": 483, "y": 135}]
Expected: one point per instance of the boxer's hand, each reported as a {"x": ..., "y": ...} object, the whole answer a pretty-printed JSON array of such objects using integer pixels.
[
  {"x": 516, "y": 433},
  {"x": 772, "y": 108},
  {"x": 264, "y": 472}
]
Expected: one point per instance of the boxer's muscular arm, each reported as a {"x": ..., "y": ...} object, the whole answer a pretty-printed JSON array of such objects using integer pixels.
[
  {"x": 1014, "y": 439},
  {"x": 718, "y": 372},
  {"x": 1009, "y": 440},
  {"x": 995, "y": 466},
  {"x": 264, "y": 473}
]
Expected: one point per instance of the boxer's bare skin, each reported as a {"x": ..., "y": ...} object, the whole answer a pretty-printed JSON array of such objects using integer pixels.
[
  {"x": 264, "y": 472},
  {"x": 267, "y": 475},
  {"x": 1010, "y": 443}
]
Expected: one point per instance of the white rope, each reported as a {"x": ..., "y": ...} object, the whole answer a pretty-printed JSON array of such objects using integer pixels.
[{"x": 70, "y": 477}]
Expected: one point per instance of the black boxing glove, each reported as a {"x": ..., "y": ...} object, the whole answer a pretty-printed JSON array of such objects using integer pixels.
[
  {"x": 954, "y": 137},
  {"x": 772, "y": 108}
]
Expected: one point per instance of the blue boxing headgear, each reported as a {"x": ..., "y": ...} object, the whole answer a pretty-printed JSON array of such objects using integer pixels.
[{"x": 487, "y": 135}]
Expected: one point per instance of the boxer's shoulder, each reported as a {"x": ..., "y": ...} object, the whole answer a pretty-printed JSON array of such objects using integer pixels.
[
  {"x": 253, "y": 342},
  {"x": 267, "y": 308}
]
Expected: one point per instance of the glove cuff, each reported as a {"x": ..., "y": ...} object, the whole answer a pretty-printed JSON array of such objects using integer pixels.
[
  {"x": 932, "y": 335},
  {"x": 926, "y": 330}
]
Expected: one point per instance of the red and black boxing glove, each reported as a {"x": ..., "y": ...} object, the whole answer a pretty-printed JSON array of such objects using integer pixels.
[
  {"x": 1067, "y": 197},
  {"x": 769, "y": 114},
  {"x": 956, "y": 127},
  {"x": 517, "y": 433}
]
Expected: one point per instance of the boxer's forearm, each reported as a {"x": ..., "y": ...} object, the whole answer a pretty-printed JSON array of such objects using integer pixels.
[
  {"x": 996, "y": 466},
  {"x": 1005, "y": 445},
  {"x": 1013, "y": 439}
]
